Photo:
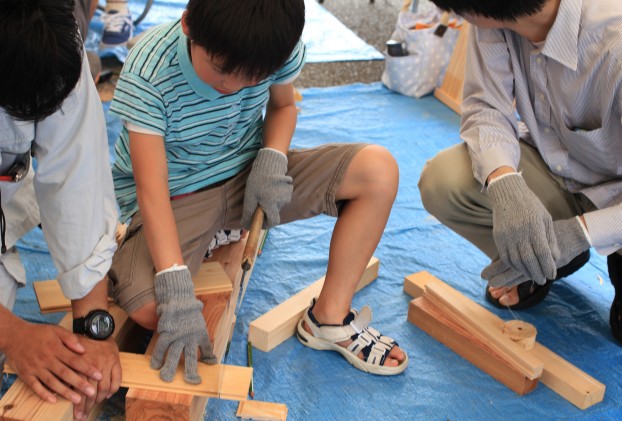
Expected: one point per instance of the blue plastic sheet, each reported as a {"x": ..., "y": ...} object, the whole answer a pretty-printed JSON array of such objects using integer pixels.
[
  {"x": 326, "y": 38},
  {"x": 438, "y": 385}
]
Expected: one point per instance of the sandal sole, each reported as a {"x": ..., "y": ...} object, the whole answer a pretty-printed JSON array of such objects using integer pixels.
[{"x": 323, "y": 345}]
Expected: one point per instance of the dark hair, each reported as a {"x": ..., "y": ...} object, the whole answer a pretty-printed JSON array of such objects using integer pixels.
[
  {"x": 41, "y": 55},
  {"x": 508, "y": 10},
  {"x": 254, "y": 38}
]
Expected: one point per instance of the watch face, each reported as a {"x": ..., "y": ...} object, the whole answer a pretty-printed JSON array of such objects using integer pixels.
[{"x": 101, "y": 325}]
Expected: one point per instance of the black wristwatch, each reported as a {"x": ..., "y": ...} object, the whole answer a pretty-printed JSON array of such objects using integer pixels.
[{"x": 98, "y": 324}]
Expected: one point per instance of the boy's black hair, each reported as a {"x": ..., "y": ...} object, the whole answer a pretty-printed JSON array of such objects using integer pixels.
[
  {"x": 40, "y": 56},
  {"x": 508, "y": 10},
  {"x": 253, "y": 38}
]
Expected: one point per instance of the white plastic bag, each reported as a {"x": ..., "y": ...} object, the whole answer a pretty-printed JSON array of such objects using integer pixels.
[{"x": 422, "y": 70}]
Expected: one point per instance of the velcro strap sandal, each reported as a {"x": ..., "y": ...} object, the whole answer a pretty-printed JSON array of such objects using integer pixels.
[{"x": 365, "y": 339}]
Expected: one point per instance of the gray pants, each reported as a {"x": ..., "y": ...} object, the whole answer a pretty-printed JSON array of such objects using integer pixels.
[{"x": 450, "y": 192}]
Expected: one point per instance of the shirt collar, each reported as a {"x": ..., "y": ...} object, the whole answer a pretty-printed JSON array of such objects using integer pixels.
[
  {"x": 562, "y": 41},
  {"x": 185, "y": 62}
]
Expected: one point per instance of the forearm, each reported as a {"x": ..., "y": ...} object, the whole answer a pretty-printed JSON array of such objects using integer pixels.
[
  {"x": 159, "y": 227},
  {"x": 499, "y": 172},
  {"x": 280, "y": 119},
  {"x": 8, "y": 324},
  {"x": 96, "y": 299}
]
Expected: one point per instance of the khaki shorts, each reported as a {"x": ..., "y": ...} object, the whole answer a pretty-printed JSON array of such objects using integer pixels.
[{"x": 317, "y": 174}]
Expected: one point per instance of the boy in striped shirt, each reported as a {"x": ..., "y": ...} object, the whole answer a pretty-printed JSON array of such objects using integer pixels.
[{"x": 196, "y": 155}]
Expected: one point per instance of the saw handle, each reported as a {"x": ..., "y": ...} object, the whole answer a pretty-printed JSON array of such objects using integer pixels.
[{"x": 253, "y": 239}]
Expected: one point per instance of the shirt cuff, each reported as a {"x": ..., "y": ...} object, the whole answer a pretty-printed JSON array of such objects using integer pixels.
[
  {"x": 605, "y": 228},
  {"x": 80, "y": 280}
]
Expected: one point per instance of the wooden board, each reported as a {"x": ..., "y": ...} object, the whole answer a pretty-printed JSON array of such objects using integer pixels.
[
  {"x": 450, "y": 91},
  {"x": 558, "y": 374},
  {"x": 209, "y": 280},
  {"x": 265, "y": 411},
  {"x": 468, "y": 313},
  {"x": 143, "y": 404},
  {"x": 236, "y": 380},
  {"x": 431, "y": 320},
  {"x": 271, "y": 329}
]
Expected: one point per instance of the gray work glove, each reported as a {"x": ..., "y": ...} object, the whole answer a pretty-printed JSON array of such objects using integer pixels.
[
  {"x": 523, "y": 229},
  {"x": 181, "y": 326},
  {"x": 267, "y": 186},
  {"x": 572, "y": 242}
]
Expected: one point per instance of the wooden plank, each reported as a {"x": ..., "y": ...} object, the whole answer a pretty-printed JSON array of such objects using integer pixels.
[
  {"x": 271, "y": 329},
  {"x": 209, "y": 280},
  {"x": 236, "y": 380},
  {"x": 143, "y": 404},
  {"x": 431, "y": 320},
  {"x": 558, "y": 374},
  {"x": 450, "y": 91},
  {"x": 258, "y": 410},
  {"x": 450, "y": 301}
]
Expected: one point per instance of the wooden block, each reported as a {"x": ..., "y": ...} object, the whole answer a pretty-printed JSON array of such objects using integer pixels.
[
  {"x": 450, "y": 91},
  {"x": 210, "y": 279},
  {"x": 143, "y": 404},
  {"x": 271, "y": 329},
  {"x": 468, "y": 312},
  {"x": 559, "y": 375},
  {"x": 414, "y": 284},
  {"x": 257, "y": 410},
  {"x": 235, "y": 380},
  {"x": 431, "y": 320}
]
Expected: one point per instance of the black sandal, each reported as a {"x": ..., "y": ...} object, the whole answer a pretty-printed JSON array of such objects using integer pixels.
[
  {"x": 614, "y": 265},
  {"x": 530, "y": 293}
]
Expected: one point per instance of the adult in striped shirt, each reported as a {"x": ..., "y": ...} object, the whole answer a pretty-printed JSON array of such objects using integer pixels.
[
  {"x": 538, "y": 180},
  {"x": 197, "y": 155}
]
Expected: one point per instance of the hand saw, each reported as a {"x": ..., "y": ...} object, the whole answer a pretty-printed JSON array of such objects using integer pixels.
[{"x": 248, "y": 259}]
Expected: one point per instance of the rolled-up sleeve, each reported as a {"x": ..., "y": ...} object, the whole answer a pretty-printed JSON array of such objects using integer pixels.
[
  {"x": 73, "y": 186},
  {"x": 489, "y": 125}
]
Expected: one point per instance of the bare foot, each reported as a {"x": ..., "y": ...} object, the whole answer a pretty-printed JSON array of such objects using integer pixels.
[{"x": 506, "y": 296}]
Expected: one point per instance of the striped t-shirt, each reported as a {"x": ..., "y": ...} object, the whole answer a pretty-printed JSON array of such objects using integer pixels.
[{"x": 208, "y": 136}]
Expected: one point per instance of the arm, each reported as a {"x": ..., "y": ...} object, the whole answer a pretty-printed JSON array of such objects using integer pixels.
[
  {"x": 268, "y": 186},
  {"x": 151, "y": 175},
  {"x": 489, "y": 125},
  {"x": 280, "y": 119},
  {"x": 73, "y": 187},
  {"x": 181, "y": 325}
]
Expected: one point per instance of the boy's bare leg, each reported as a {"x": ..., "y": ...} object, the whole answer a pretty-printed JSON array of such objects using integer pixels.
[{"x": 369, "y": 187}]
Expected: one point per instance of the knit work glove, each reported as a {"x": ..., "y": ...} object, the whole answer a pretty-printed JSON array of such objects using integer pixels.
[
  {"x": 181, "y": 326},
  {"x": 571, "y": 240},
  {"x": 267, "y": 186},
  {"x": 523, "y": 229}
]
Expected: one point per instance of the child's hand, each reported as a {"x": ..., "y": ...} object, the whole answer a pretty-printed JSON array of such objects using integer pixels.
[
  {"x": 181, "y": 326},
  {"x": 267, "y": 186}
]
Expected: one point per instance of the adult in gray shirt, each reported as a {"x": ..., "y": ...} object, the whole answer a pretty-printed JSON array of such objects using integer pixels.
[{"x": 538, "y": 179}]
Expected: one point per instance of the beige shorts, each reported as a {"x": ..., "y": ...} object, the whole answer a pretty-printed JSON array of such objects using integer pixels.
[{"x": 317, "y": 174}]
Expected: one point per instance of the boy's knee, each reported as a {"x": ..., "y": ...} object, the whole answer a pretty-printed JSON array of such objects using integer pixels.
[
  {"x": 146, "y": 316},
  {"x": 381, "y": 166}
]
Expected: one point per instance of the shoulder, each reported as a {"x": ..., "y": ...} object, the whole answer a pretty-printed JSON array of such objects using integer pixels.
[
  {"x": 155, "y": 53},
  {"x": 601, "y": 24}
]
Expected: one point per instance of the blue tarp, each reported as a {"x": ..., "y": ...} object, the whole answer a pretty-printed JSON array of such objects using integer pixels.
[
  {"x": 438, "y": 385},
  {"x": 326, "y": 38}
]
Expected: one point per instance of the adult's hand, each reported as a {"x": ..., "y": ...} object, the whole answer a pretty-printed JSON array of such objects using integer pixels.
[
  {"x": 105, "y": 356},
  {"x": 50, "y": 359},
  {"x": 523, "y": 228}
]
